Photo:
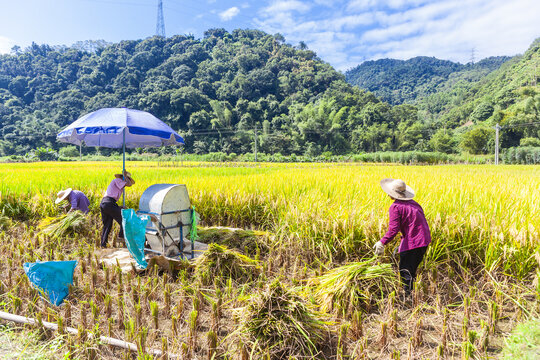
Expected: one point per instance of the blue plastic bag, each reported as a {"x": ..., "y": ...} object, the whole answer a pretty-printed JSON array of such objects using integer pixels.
[
  {"x": 135, "y": 234},
  {"x": 52, "y": 277}
]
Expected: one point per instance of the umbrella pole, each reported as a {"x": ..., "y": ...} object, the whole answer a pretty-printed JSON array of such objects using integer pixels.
[{"x": 124, "y": 167}]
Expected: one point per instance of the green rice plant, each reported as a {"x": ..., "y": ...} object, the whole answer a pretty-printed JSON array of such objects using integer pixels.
[
  {"x": 154, "y": 310},
  {"x": 468, "y": 349},
  {"x": 212, "y": 345},
  {"x": 279, "y": 322},
  {"x": 342, "y": 341},
  {"x": 353, "y": 286},
  {"x": 393, "y": 323},
  {"x": 63, "y": 225},
  {"x": 164, "y": 347},
  {"x": 193, "y": 325},
  {"x": 218, "y": 264},
  {"x": 484, "y": 338}
]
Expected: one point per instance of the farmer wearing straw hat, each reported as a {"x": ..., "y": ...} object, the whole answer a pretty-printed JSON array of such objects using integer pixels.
[
  {"x": 76, "y": 198},
  {"x": 109, "y": 208},
  {"x": 407, "y": 217}
]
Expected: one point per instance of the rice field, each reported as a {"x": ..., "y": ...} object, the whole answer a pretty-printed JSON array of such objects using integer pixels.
[{"x": 315, "y": 222}]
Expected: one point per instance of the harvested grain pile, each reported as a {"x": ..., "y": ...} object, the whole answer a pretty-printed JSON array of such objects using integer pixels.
[
  {"x": 277, "y": 324},
  {"x": 63, "y": 225},
  {"x": 219, "y": 264},
  {"x": 354, "y": 285},
  {"x": 250, "y": 242},
  {"x": 5, "y": 222}
]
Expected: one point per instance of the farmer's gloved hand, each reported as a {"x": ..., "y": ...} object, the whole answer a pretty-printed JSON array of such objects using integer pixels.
[{"x": 378, "y": 248}]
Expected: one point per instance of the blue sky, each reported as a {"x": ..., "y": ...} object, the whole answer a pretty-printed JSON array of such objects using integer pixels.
[{"x": 342, "y": 32}]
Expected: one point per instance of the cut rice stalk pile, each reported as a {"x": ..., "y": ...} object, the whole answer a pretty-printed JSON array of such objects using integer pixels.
[
  {"x": 58, "y": 227},
  {"x": 350, "y": 286},
  {"x": 277, "y": 324},
  {"x": 218, "y": 264},
  {"x": 5, "y": 222}
]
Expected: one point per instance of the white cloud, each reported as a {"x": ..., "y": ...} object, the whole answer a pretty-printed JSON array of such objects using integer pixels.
[
  {"x": 355, "y": 5},
  {"x": 346, "y": 32},
  {"x": 229, "y": 14},
  {"x": 6, "y": 44},
  {"x": 285, "y": 6}
]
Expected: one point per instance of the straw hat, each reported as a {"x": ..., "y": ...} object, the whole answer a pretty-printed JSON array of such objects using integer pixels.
[
  {"x": 62, "y": 195},
  {"x": 397, "y": 189},
  {"x": 128, "y": 176}
]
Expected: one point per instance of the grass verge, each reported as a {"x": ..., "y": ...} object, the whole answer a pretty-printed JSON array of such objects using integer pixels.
[{"x": 524, "y": 343}]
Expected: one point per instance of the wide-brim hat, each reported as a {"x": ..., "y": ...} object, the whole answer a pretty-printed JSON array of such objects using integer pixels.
[
  {"x": 120, "y": 176},
  {"x": 62, "y": 195},
  {"x": 397, "y": 189}
]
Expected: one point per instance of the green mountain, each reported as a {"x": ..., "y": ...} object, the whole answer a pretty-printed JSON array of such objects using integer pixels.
[
  {"x": 506, "y": 95},
  {"x": 216, "y": 91},
  {"x": 227, "y": 89},
  {"x": 467, "y": 103},
  {"x": 405, "y": 81}
]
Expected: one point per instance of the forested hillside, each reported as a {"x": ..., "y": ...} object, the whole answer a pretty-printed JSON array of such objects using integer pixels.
[
  {"x": 226, "y": 89},
  {"x": 469, "y": 102},
  {"x": 217, "y": 91},
  {"x": 405, "y": 81},
  {"x": 509, "y": 96}
]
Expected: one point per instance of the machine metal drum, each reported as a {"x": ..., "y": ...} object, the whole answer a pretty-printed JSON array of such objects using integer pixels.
[{"x": 170, "y": 204}]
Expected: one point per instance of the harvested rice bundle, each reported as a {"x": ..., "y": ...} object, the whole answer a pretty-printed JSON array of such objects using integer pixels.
[
  {"x": 218, "y": 263},
  {"x": 58, "y": 227},
  {"x": 350, "y": 286},
  {"x": 277, "y": 324},
  {"x": 5, "y": 222}
]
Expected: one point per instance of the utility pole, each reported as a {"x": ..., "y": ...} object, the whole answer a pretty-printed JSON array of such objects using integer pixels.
[
  {"x": 497, "y": 129},
  {"x": 255, "y": 133},
  {"x": 80, "y": 151},
  {"x": 160, "y": 26}
]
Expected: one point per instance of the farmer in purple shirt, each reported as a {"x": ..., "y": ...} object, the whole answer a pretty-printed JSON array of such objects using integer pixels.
[
  {"x": 109, "y": 208},
  {"x": 407, "y": 217},
  {"x": 76, "y": 198}
]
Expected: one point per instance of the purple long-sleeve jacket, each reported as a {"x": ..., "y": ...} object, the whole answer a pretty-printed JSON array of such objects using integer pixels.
[
  {"x": 408, "y": 218},
  {"x": 79, "y": 201}
]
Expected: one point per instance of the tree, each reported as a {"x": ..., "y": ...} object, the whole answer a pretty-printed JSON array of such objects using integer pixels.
[
  {"x": 443, "y": 141},
  {"x": 476, "y": 141},
  {"x": 482, "y": 112}
]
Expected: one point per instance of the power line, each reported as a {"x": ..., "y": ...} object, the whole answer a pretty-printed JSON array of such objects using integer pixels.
[{"x": 535, "y": 123}]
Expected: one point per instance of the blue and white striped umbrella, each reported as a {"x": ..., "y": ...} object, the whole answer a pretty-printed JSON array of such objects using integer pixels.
[{"x": 118, "y": 128}]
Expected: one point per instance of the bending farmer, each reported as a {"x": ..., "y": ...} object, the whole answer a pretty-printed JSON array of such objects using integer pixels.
[
  {"x": 407, "y": 217},
  {"x": 109, "y": 208},
  {"x": 76, "y": 198}
]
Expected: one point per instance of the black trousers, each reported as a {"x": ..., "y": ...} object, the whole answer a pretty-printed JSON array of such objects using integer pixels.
[
  {"x": 408, "y": 264},
  {"x": 110, "y": 211}
]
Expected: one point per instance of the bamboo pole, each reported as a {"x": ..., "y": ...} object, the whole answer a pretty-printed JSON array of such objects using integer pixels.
[{"x": 104, "y": 339}]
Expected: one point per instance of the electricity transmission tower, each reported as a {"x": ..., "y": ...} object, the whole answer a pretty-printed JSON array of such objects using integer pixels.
[
  {"x": 160, "y": 26},
  {"x": 472, "y": 55}
]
